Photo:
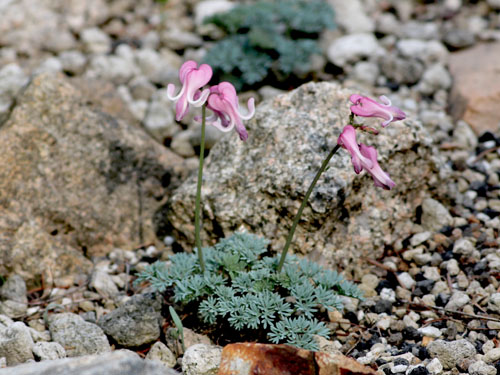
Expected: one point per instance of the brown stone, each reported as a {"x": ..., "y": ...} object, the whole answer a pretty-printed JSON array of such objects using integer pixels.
[
  {"x": 476, "y": 88},
  {"x": 268, "y": 359},
  {"x": 74, "y": 181}
]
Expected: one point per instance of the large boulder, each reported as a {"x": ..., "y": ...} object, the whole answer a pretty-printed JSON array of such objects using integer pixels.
[
  {"x": 74, "y": 181},
  {"x": 476, "y": 88},
  {"x": 258, "y": 185}
]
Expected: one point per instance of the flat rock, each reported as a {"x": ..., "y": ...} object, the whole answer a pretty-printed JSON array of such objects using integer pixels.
[
  {"x": 122, "y": 362},
  {"x": 259, "y": 184},
  {"x": 73, "y": 181},
  {"x": 135, "y": 323},
  {"x": 16, "y": 344},
  {"x": 476, "y": 92},
  {"x": 77, "y": 336}
]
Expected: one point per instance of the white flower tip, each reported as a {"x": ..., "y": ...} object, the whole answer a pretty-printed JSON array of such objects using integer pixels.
[
  {"x": 170, "y": 92},
  {"x": 251, "y": 110},
  {"x": 385, "y": 100},
  {"x": 201, "y": 100}
]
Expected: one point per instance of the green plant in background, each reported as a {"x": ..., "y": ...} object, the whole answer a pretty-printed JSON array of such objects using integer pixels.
[
  {"x": 241, "y": 285},
  {"x": 268, "y": 38}
]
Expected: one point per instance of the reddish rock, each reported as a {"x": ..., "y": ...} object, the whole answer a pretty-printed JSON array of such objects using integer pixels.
[
  {"x": 267, "y": 359},
  {"x": 476, "y": 87}
]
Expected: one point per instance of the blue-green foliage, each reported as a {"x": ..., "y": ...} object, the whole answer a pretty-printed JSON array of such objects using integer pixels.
[
  {"x": 241, "y": 285},
  {"x": 272, "y": 36}
]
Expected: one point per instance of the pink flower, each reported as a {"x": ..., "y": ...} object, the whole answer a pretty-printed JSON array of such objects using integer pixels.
[
  {"x": 364, "y": 157},
  {"x": 380, "y": 178},
  {"x": 223, "y": 102},
  {"x": 367, "y": 107},
  {"x": 192, "y": 80},
  {"x": 347, "y": 140}
]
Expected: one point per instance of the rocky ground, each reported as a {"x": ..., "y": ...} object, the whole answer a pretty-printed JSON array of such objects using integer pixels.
[{"x": 92, "y": 160}]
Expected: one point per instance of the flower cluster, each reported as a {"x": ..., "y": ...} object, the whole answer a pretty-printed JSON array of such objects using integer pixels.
[
  {"x": 221, "y": 99},
  {"x": 363, "y": 156}
]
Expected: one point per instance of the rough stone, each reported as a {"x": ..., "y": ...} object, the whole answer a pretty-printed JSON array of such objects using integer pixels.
[
  {"x": 351, "y": 16},
  {"x": 103, "y": 284},
  {"x": 351, "y": 48},
  {"x": 450, "y": 352},
  {"x": 208, "y": 8},
  {"x": 475, "y": 92},
  {"x": 435, "y": 215},
  {"x": 135, "y": 323},
  {"x": 457, "y": 301},
  {"x": 77, "y": 336},
  {"x": 201, "y": 359},
  {"x": 481, "y": 368},
  {"x": 260, "y": 183},
  {"x": 160, "y": 352},
  {"x": 48, "y": 351},
  {"x": 13, "y": 292},
  {"x": 12, "y": 80},
  {"x": 16, "y": 344},
  {"x": 435, "y": 78},
  {"x": 73, "y": 179},
  {"x": 120, "y": 362}
]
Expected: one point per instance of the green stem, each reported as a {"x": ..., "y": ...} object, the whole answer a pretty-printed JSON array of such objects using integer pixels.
[
  {"x": 303, "y": 205},
  {"x": 197, "y": 211}
]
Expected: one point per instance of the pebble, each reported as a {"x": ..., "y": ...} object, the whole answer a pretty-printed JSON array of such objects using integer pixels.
[
  {"x": 44, "y": 351},
  {"x": 160, "y": 352},
  {"x": 406, "y": 280},
  {"x": 352, "y": 48},
  {"x": 430, "y": 331},
  {"x": 481, "y": 368},
  {"x": 435, "y": 367},
  {"x": 201, "y": 359}
]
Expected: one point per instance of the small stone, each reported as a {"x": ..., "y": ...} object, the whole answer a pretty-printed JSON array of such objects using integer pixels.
[
  {"x": 207, "y": 8},
  {"x": 449, "y": 352},
  {"x": 73, "y": 62},
  {"x": 432, "y": 273},
  {"x": 201, "y": 359},
  {"x": 435, "y": 77},
  {"x": 420, "y": 238},
  {"x": 351, "y": 48},
  {"x": 77, "y": 336},
  {"x": 95, "y": 41},
  {"x": 16, "y": 344},
  {"x": 430, "y": 331},
  {"x": 492, "y": 355},
  {"x": 481, "y": 368},
  {"x": 388, "y": 294},
  {"x": 135, "y": 323},
  {"x": 352, "y": 17},
  {"x": 464, "y": 247},
  {"x": 434, "y": 215},
  {"x": 458, "y": 300},
  {"x": 102, "y": 283},
  {"x": 406, "y": 280},
  {"x": 160, "y": 352},
  {"x": 435, "y": 367},
  {"x": 365, "y": 72},
  {"x": 48, "y": 350},
  {"x": 452, "y": 267}
]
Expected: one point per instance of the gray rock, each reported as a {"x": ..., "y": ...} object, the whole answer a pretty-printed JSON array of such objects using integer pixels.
[
  {"x": 48, "y": 351},
  {"x": 365, "y": 72},
  {"x": 428, "y": 52},
  {"x": 80, "y": 157},
  {"x": 464, "y": 135},
  {"x": 260, "y": 183},
  {"x": 457, "y": 301},
  {"x": 12, "y": 80},
  {"x": 351, "y": 16},
  {"x": 16, "y": 344},
  {"x": 430, "y": 331},
  {"x": 406, "y": 280},
  {"x": 495, "y": 4},
  {"x": 178, "y": 39},
  {"x": 463, "y": 246},
  {"x": 435, "y": 367},
  {"x": 401, "y": 70},
  {"x": 14, "y": 289},
  {"x": 95, "y": 41},
  {"x": 420, "y": 238},
  {"x": 103, "y": 284},
  {"x": 419, "y": 30},
  {"x": 135, "y": 323},
  {"x": 13, "y": 309},
  {"x": 77, "y": 336},
  {"x": 160, "y": 352},
  {"x": 159, "y": 119},
  {"x": 73, "y": 62},
  {"x": 120, "y": 362},
  {"x": 450, "y": 352},
  {"x": 491, "y": 355},
  {"x": 201, "y": 359},
  {"x": 459, "y": 38},
  {"x": 116, "y": 69},
  {"x": 59, "y": 40},
  {"x": 494, "y": 303},
  {"x": 51, "y": 65},
  {"x": 436, "y": 77},
  {"x": 208, "y": 8},
  {"x": 481, "y": 368},
  {"x": 435, "y": 215},
  {"x": 141, "y": 88},
  {"x": 352, "y": 48},
  {"x": 161, "y": 68}
]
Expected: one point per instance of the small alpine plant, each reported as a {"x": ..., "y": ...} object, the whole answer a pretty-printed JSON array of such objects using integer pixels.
[{"x": 239, "y": 282}]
